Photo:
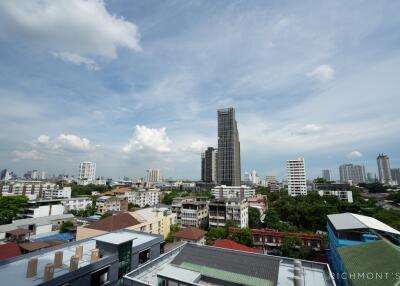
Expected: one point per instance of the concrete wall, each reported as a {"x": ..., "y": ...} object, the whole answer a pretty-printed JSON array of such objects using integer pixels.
[{"x": 40, "y": 229}]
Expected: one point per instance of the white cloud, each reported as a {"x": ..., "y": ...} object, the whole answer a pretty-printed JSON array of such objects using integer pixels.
[
  {"x": 309, "y": 129},
  {"x": 148, "y": 139},
  {"x": 27, "y": 155},
  {"x": 322, "y": 73},
  {"x": 44, "y": 139},
  {"x": 354, "y": 154},
  {"x": 73, "y": 30},
  {"x": 64, "y": 142},
  {"x": 197, "y": 146},
  {"x": 77, "y": 60}
]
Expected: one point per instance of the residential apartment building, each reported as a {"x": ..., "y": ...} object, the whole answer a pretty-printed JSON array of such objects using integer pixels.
[
  {"x": 229, "y": 170},
  {"x": 327, "y": 175},
  {"x": 87, "y": 173},
  {"x": 233, "y": 191},
  {"x": 153, "y": 176},
  {"x": 273, "y": 184},
  {"x": 228, "y": 209},
  {"x": 385, "y": 176},
  {"x": 141, "y": 197},
  {"x": 111, "y": 204},
  {"x": 395, "y": 173},
  {"x": 193, "y": 213},
  {"x": 353, "y": 174},
  {"x": 76, "y": 204},
  {"x": 296, "y": 176},
  {"x": 259, "y": 202},
  {"x": 42, "y": 208},
  {"x": 340, "y": 190},
  {"x": 251, "y": 178},
  {"x": 58, "y": 193},
  {"x": 32, "y": 189},
  {"x": 101, "y": 260},
  {"x": 209, "y": 165}
]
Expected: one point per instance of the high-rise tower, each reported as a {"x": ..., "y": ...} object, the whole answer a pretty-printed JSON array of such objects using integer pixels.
[
  {"x": 385, "y": 177},
  {"x": 229, "y": 172}
]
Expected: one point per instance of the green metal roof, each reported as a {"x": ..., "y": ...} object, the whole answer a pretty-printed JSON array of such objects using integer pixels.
[
  {"x": 372, "y": 263},
  {"x": 227, "y": 276}
]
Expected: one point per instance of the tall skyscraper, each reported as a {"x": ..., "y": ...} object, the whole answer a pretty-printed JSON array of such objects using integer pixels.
[
  {"x": 353, "y": 173},
  {"x": 203, "y": 166},
  {"x": 385, "y": 176},
  {"x": 395, "y": 175},
  {"x": 296, "y": 176},
  {"x": 327, "y": 175},
  {"x": 229, "y": 172},
  {"x": 87, "y": 171},
  {"x": 209, "y": 165},
  {"x": 153, "y": 176}
]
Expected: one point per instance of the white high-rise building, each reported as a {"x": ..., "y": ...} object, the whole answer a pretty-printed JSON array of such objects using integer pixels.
[
  {"x": 153, "y": 176},
  {"x": 87, "y": 172},
  {"x": 296, "y": 175},
  {"x": 385, "y": 176},
  {"x": 353, "y": 174},
  {"x": 327, "y": 175}
]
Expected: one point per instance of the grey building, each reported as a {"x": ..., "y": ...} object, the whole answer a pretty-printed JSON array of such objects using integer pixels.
[
  {"x": 229, "y": 172},
  {"x": 101, "y": 260},
  {"x": 327, "y": 175},
  {"x": 353, "y": 173},
  {"x": 395, "y": 173},
  {"x": 193, "y": 264},
  {"x": 209, "y": 165},
  {"x": 203, "y": 167},
  {"x": 385, "y": 176}
]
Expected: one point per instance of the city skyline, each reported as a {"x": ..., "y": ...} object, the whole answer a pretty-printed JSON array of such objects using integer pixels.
[{"x": 321, "y": 86}]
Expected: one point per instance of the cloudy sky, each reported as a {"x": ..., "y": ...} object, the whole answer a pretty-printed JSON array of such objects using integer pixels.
[{"x": 133, "y": 85}]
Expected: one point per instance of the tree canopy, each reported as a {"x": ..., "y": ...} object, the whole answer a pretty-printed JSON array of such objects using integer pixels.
[{"x": 10, "y": 206}]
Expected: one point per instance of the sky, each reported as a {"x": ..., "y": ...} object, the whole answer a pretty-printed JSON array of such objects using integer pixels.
[{"x": 133, "y": 85}]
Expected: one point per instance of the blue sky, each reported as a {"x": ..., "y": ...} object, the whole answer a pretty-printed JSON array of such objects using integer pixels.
[{"x": 133, "y": 85}]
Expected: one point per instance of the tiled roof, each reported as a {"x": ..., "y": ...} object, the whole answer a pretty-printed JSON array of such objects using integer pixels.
[
  {"x": 9, "y": 250},
  {"x": 32, "y": 246},
  {"x": 229, "y": 244},
  {"x": 18, "y": 231},
  {"x": 225, "y": 260},
  {"x": 114, "y": 222},
  {"x": 122, "y": 190},
  {"x": 372, "y": 257},
  {"x": 190, "y": 233}
]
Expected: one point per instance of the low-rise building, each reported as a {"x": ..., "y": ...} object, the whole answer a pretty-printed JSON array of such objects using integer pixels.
[
  {"x": 194, "y": 213},
  {"x": 233, "y": 209},
  {"x": 191, "y": 234},
  {"x": 101, "y": 260},
  {"x": 354, "y": 242},
  {"x": 37, "y": 226},
  {"x": 76, "y": 204},
  {"x": 233, "y": 191},
  {"x": 42, "y": 208},
  {"x": 193, "y": 264},
  {"x": 111, "y": 204},
  {"x": 58, "y": 193},
  {"x": 33, "y": 189},
  {"x": 259, "y": 202},
  {"x": 339, "y": 190}
]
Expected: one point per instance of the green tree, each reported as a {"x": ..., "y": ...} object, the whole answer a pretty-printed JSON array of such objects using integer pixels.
[
  {"x": 10, "y": 206},
  {"x": 320, "y": 180},
  {"x": 289, "y": 245},
  {"x": 243, "y": 236},
  {"x": 254, "y": 218},
  {"x": 106, "y": 214},
  {"x": 64, "y": 225},
  {"x": 215, "y": 233}
]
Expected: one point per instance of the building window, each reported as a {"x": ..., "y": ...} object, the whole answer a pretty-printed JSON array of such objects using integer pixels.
[
  {"x": 124, "y": 257},
  {"x": 144, "y": 256},
  {"x": 100, "y": 277}
]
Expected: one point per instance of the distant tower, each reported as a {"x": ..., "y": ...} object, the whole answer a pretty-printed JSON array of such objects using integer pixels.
[
  {"x": 153, "y": 176},
  {"x": 327, "y": 175},
  {"x": 353, "y": 173},
  {"x": 87, "y": 171},
  {"x": 229, "y": 172},
  {"x": 296, "y": 176},
  {"x": 209, "y": 165},
  {"x": 385, "y": 177}
]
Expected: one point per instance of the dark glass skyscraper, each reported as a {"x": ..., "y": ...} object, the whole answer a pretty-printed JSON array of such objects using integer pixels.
[{"x": 229, "y": 172}]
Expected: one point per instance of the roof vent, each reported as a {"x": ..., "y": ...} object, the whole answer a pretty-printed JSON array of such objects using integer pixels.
[
  {"x": 79, "y": 251},
  {"x": 58, "y": 258},
  {"x": 94, "y": 255},
  {"x": 32, "y": 267},
  {"x": 74, "y": 262},
  {"x": 48, "y": 272}
]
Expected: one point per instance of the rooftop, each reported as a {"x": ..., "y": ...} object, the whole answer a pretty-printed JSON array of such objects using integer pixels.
[
  {"x": 38, "y": 221},
  {"x": 347, "y": 221},
  {"x": 190, "y": 233},
  {"x": 211, "y": 266},
  {"x": 9, "y": 250},
  {"x": 114, "y": 222},
  {"x": 229, "y": 244}
]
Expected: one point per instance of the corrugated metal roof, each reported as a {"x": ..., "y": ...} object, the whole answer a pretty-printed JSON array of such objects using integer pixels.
[{"x": 355, "y": 221}]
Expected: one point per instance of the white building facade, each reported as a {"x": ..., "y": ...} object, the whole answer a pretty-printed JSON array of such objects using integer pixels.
[
  {"x": 296, "y": 176},
  {"x": 233, "y": 191},
  {"x": 76, "y": 204},
  {"x": 87, "y": 173}
]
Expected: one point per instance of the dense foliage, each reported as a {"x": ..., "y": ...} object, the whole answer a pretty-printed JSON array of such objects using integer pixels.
[
  {"x": 254, "y": 218},
  {"x": 174, "y": 228},
  {"x": 242, "y": 236},
  {"x": 78, "y": 190},
  {"x": 65, "y": 225},
  {"x": 215, "y": 233},
  {"x": 375, "y": 187},
  {"x": 10, "y": 206},
  {"x": 395, "y": 197},
  {"x": 168, "y": 197}
]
